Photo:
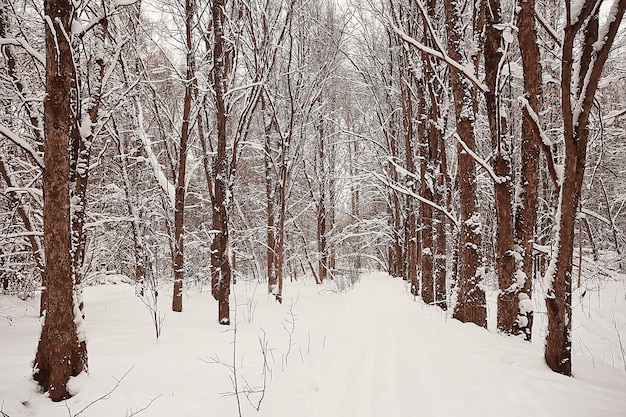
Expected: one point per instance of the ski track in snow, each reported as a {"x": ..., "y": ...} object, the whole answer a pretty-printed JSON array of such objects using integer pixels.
[{"x": 370, "y": 352}]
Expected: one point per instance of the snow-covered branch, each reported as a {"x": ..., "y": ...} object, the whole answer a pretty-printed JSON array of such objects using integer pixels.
[
  {"x": 545, "y": 139},
  {"x": 6, "y": 132},
  {"x": 495, "y": 177},
  {"x": 160, "y": 176},
  {"x": 418, "y": 197},
  {"x": 27, "y": 47},
  {"x": 442, "y": 55}
]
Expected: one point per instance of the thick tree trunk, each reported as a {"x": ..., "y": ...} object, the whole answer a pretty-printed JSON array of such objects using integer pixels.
[
  {"x": 504, "y": 245},
  {"x": 471, "y": 303},
  {"x": 577, "y": 96},
  {"x": 526, "y": 215},
  {"x": 59, "y": 354},
  {"x": 435, "y": 164},
  {"x": 220, "y": 263}
]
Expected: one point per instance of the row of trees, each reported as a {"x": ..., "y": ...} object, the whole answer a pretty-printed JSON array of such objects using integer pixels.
[
  {"x": 180, "y": 141},
  {"x": 482, "y": 56}
]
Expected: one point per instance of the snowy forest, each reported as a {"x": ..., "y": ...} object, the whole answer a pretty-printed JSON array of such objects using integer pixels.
[{"x": 347, "y": 194}]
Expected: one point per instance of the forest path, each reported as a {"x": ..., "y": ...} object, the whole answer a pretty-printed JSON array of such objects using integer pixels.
[
  {"x": 373, "y": 351},
  {"x": 378, "y": 378},
  {"x": 386, "y": 354}
]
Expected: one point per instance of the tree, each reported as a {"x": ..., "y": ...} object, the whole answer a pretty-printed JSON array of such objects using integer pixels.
[
  {"x": 505, "y": 253},
  {"x": 581, "y": 71},
  {"x": 220, "y": 262},
  {"x": 528, "y": 184},
  {"x": 470, "y": 306},
  {"x": 179, "y": 202},
  {"x": 59, "y": 353}
]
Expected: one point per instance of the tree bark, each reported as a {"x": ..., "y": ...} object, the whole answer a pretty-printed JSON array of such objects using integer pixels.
[
  {"x": 220, "y": 263},
  {"x": 526, "y": 205},
  {"x": 470, "y": 305},
  {"x": 504, "y": 250},
  {"x": 577, "y": 101},
  {"x": 59, "y": 354},
  {"x": 179, "y": 197},
  {"x": 322, "y": 238}
]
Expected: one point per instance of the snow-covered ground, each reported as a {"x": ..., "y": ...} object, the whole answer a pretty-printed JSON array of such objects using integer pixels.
[{"x": 371, "y": 351}]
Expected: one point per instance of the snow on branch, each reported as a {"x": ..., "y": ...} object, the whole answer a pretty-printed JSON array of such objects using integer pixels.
[
  {"x": 595, "y": 215},
  {"x": 545, "y": 139},
  {"x": 160, "y": 176},
  {"x": 548, "y": 28},
  {"x": 442, "y": 55},
  {"x": 6, "y": 132},
  {"x": 396, "y": 187},
  {"x": 21, "y": 42},
  {"x": 607, "y": 33},
  {"x": 78, "y": 29},
  {"x": 547, "y": 143},
  {"x": 495, "y": 177}
]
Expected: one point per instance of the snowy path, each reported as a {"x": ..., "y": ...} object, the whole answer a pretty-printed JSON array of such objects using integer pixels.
[
  {"x": 387, "y": 355},
  {"x": 370, "y": 352}
]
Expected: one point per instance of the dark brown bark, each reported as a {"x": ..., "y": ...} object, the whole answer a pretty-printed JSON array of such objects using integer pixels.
[
  {"x": 59, "y": 354},
  {"x": 82, "y": 139},
  {"x": 526, "y": 215},
  {"x": 178, "y": 257},
  {"x": 220, "y": 263},
  {"x": 558, "y": 353},
  {"x": 436, "y": 163},
  {"x": 322, "y": 238},
  {"x": 504, "y": 244},
  {"x": 470, "y": 306},
  {"x": 411, "y": 234},
  {"x": 270, "y": 188}
]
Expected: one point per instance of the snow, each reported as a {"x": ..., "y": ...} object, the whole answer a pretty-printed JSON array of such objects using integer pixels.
[
  {"x": 576, "y": 7},
  {"x": 370, "y": 351}
]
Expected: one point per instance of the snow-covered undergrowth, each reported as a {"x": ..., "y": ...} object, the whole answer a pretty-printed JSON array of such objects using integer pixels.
[{"x": 371, "y": 351}]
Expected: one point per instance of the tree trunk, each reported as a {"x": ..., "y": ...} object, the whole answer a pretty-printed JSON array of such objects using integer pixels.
[
  {"x": 270, "y": 189},
  {"x": 526, "y": 215},
  {"x": 179, "y": 197},
  {"x": 411, "y": 206},
  {"x": 59, "y": 354},
  {"x": 504, "y": 250},
  {"x": 436, "y": 164},
  {"x": 577, "y": 101},
  {"x": 220, "y": 264},
  {"x": 322, "y": 245},
  {"x": 470, "y": 305}
]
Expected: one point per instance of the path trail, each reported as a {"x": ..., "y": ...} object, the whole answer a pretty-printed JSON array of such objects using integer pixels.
[
  {"x": 373, "y": 351},
  {"x": 386, "y": 355}
]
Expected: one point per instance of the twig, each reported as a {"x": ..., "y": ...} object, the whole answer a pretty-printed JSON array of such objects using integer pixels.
[
  {"x": 139, "y": 410},
  {"x": 619, "y": 340},
  {"x": 291, "y": 321},
  {"x": 103, "y": 397}
]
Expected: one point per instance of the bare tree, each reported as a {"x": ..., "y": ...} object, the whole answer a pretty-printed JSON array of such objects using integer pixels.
[
  {"x": 179, "y": 202},
  {"x": 581, "y": 71},
  {"x": 528, "y": 184},
  {"x": 220, "y": 262},
  {"x": 60, "y": 353},
  {"x": 470, "y": 306}
]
